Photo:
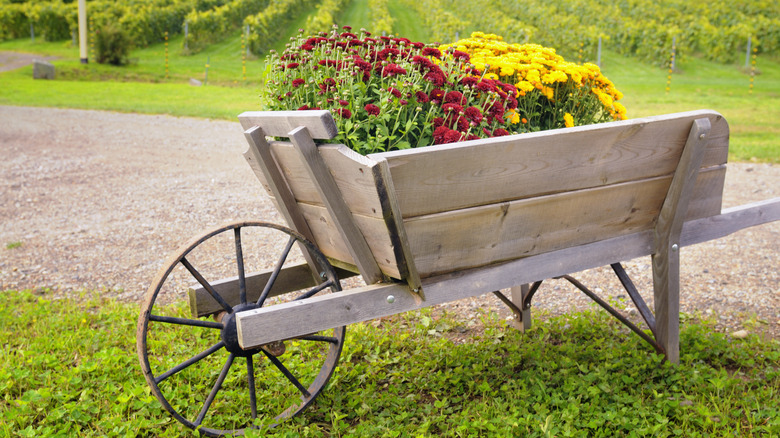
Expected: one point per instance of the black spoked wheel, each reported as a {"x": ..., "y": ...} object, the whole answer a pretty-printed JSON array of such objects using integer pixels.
[{"x": 192, "y": 361}]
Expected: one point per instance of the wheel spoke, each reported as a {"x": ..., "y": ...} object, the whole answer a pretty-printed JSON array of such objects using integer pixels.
[
  {"x": 215, "y": 390},
  {"x": 250, "y": 375},
  {"x": 185, "y": 321},
  {"x": 189, "y": 362},
  {"x": 287, "y": 374},
  {"x": 206, "y": 285},
  {"x": 315, "y": 290},
  {"x": 275, "y": 273},
  {"x": 318, "y": 338},
  {"x": 240, "y": 264}
]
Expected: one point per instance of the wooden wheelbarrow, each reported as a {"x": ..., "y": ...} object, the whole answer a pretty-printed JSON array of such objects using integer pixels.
[{"x": 424, "y": 227}]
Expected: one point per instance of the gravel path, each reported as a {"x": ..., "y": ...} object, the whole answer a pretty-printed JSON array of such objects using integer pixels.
[{"x": 97, "y": 200}]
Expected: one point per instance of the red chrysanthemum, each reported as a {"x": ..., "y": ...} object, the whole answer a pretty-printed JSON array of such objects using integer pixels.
[
  {"x": 461, "y": 56},
  {"x": 452, "y": 136},
  {"x": 473, "y": 114},
  {"x": 298, "y": 82},
  {"x": 372, "y": 109},
  {"x": 343, "y": 102},
  {"x": 500, "y": 132},
  {"x": 432, "y": 51},
  {"x": 453, "y": 97},
  {"x": 343, "y": 112},
  {"x": 438, "y": 121},
  {"x": 437, "y": 95},
  {"x": 394, "y": 91},
  {"x": 421, "y": 97}
]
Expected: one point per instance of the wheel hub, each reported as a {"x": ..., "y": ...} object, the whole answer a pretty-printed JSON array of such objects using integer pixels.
[{"x": 230, "y": 332}]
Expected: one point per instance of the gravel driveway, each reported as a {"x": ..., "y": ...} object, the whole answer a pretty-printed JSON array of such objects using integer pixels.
[{"x": 97, "y": 200}]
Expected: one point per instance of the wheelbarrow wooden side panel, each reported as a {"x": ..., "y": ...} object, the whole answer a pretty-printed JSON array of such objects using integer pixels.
[{"x": 481, "y": 202}]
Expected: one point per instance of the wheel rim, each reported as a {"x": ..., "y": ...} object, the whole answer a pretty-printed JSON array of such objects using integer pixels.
[{"x": 193, "y": 365}]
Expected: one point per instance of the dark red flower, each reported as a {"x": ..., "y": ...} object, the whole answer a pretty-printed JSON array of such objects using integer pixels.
[
  {"x": 421, "y": 97},
  {"x": 469, "y": 81},
  {"x": 452, "y": 108},
  {"x": 486, "y": 85},
  {"x": 473, "y": 114},
  {"x": 463, "y": 124},
  {"x": 343, "y": 102},
  {"x": 453, "y": 97},
  {"x": 435, "y": 78},
  {"x": 389, "y": 52},
  {"x": 303, "y": 108},
  {"x": 403, "y": 102},
  {"x": 438, "y": 121},
  {"x": 298, "y": 82},
  {"x": 372, "y": 109},
  {"x": 348, "y": 35},
  {"x": 432, "y": 51},
  {"x": 392, "y": 70},
  {"x": 437, "y": 95},
  {"x": 452, "y": 136},
  {"x": 461, "y": 56},
  {"x": 328, "y": 84},
  {"x": 307, "y": 47},
  {"x": 347, "y": 28},
  {"x": 292, "y": 65},
  {"x": 394, "y": 91},
  {"x": 343, "y": 112},
  {"x": 438, "y": 134},
  {"x": 472, "y": 137},
  {"x": 500, "y": 132}
]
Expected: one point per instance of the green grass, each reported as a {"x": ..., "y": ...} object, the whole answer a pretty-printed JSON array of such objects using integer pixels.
[{"x": 69, "y": 369}]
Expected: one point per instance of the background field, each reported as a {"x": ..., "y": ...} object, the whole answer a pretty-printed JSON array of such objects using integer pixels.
[{"x": 702, "y": 79}]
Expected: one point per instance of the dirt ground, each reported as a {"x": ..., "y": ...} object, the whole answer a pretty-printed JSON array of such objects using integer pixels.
[
  {"x": 97, "y": 200},
  {"x": 13, "y": 60}
]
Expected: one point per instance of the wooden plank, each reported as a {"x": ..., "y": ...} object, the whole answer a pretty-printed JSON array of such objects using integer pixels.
[
  {"x": 666, "y": 258},
  {"x": 279, "y": 123},
  {"x": 329, "y": 240},
  {"x": 397, "y": 231},
  {"x": 361, "y": 304},
  {"x": 290, "y": 279},
  {"x": 350, "y": 170},
  {"x": 334, "y": 202},
  {"x": 730, "y": 221},
  {"x": 483, "y": 235},
  {"x": 259, "y": 157},
  {"x": 461, "y": 175}
]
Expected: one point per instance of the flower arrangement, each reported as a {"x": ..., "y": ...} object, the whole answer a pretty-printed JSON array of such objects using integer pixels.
[
  {"x": 391, "y": 93},
  {"x": 552, "y": 92}
]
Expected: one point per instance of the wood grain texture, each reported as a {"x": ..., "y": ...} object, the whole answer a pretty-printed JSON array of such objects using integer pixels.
[
  {"x": 333, "y": 199},
  {"x": 480, "y": 172},
  {"x": 365, "y": 303},
  {"x": 483, "y": 235},
  {"x": 668, "y": 227},
  {"x": 279, "y": 123}
]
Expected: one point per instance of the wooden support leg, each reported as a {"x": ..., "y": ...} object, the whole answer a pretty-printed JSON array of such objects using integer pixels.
[
  {"x": 518, "y": 295},
  {"x": 666, "y": 259}
]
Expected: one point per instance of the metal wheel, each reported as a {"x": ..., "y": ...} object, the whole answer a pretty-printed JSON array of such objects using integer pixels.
[{"x": 195, "y": 366}]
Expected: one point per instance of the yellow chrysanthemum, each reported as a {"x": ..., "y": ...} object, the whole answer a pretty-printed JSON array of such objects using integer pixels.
[{"x": 568, "y": 120}]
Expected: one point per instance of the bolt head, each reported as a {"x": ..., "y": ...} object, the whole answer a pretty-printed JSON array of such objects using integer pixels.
[
  {"x": 390, "y": 299},
  {"x": 675, "y": 247}
]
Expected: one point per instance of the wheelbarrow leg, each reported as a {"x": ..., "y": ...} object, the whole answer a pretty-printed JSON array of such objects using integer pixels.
[{"x": 518, "y": 295}]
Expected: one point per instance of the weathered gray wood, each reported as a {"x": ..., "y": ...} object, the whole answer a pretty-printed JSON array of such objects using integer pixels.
[
  {"x": 290, "y": 279},
  {"x": 361, "y": 304},
  {"x": 666, "y": 259},
  {"x": 278, "y": 123},
  {"x": 489, "y": 171},
  {"x": 518, "y": 294},
  {"x": 260, "y": 159},
  {"x": 334, "y": 202},
  {"x": 329, "y": 241},
  {"x": 730, "y": 221},
  {"x": 394, "y": 223},
  {"x": 487, "y": 234}
]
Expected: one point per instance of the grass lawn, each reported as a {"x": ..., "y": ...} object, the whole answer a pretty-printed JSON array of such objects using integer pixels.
[{"x": 69, "y": 368}]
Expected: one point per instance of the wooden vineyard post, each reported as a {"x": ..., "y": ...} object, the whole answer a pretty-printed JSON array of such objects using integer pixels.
[{"x": 666, "y": 259}]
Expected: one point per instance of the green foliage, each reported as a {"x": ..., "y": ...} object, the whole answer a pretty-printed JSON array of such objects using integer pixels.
[
  {"x": 212, "y": 25},
  {"x": 381, "y": 20},
  {"x": 112, "y": 45},
  {"x": 326, "y": 17},
  {"x": 69, "y": 368},
  {"x": 270, "y": 25},
  {"x": 13, "y": 245}
]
